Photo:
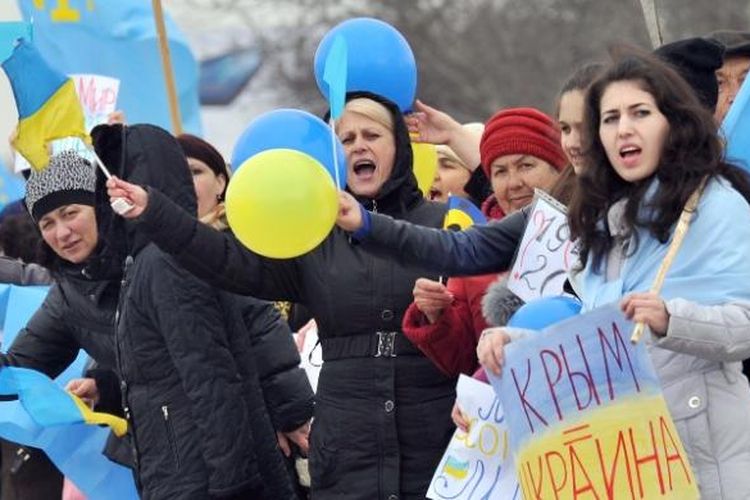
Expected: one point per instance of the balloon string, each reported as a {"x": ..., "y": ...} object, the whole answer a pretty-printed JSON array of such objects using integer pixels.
[{"x": 332, "y": 123}]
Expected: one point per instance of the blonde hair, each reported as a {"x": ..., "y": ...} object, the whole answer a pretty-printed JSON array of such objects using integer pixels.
[
  {"x": 445, "y": 153},
  {"x": 372, "y": 110}
]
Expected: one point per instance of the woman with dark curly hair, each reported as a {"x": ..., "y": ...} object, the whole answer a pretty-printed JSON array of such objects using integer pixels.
[{"x": 651, "y": 145}]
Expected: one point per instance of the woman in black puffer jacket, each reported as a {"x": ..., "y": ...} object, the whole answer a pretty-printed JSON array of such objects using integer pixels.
[
  {"x": 190, "y": 384},
  {"x": 382, "y": 415}
]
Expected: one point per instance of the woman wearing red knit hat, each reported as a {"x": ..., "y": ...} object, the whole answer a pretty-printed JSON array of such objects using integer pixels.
[{"x": 520, "y": 151}]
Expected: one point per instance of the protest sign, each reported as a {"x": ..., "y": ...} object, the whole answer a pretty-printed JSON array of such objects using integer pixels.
[
  {"x": 586, "y": 415},
  {"x": 545, "y": 253},
  {"x": 477, "y": 464},
  {"x": 98, "y": 96}
]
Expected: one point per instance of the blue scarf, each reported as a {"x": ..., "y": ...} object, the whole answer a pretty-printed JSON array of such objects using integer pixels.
[{"x": 712, "y": 266}]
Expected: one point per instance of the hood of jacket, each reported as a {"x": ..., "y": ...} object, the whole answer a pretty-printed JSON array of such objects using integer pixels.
[
  {"x": 499, "y": 303},
  {"x": 145, "y": 155},
  {"x": 400, "y": 191}
]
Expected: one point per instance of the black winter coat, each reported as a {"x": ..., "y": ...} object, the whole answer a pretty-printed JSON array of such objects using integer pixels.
[
  {"x": 382, "y": 415},
  {"x": 77, "y": 313},
  {"x": 190, "y": 384}
]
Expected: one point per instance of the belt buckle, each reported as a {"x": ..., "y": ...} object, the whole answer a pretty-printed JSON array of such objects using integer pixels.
[{"x": 386, "y": 345}]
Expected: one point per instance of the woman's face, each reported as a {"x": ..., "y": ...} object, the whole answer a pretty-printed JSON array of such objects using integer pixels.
[
  {"x": 514, "y": 178},
  {"x": 450, "y": 178},
  {"x": 208, "y": 185},
  {"x": 70, "y": 231},
  {"x": 570, "y": 119},
  {"x": 370, "y": 153},
  {"x": 632, "y": 130}
]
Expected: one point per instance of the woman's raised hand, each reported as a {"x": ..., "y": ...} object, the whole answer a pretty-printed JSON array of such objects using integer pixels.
[
  {"x": 432, "y": 125},
  {"x": 135, "y": 195},
  {"x": 349, "y": 217}
]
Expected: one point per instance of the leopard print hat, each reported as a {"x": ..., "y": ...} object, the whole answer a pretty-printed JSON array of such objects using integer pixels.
[{"x": 68, "y": 179}]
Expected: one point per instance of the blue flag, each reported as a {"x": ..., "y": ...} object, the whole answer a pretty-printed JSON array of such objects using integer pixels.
[
  {"x": 736, "y": 128},
  {"x": 334, "y": 74},
  {"x": 10, "y": 33},
  {"x": 17, "y": 305},
  {"x": 11, "y": 185},
  {"x": 117, "y": 38},
  {"x": 75, "y": 449}
]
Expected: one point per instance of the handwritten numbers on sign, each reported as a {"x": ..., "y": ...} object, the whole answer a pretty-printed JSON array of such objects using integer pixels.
[{"x": 546, "y": 252}]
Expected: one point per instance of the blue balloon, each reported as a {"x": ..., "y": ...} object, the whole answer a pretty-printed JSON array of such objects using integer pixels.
[
  {"x": 379, "y": 60},
  {"x": 291, "y": 129},
  {"x": 541, "y": 313}
]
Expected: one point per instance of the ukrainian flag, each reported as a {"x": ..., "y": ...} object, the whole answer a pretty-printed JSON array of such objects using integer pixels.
[
  {"x": 47, "y": 417},
  {"x": 458, "y": 469},
  {"x": 48, "y": 106},
  {"x": 462, "y": 214},
  {"x": 48, "y": 404}
]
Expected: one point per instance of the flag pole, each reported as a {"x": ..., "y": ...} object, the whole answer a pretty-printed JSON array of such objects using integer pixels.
[
  {"x": 336, "y": 176},
  {"x": 166, "y": 63},
  {"x": 651, "y": 15}
]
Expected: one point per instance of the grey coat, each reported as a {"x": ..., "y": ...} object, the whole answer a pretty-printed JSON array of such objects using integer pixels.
[{"x": 699, "y": 365}]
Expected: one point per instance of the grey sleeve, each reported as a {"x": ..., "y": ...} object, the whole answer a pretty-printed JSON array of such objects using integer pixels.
[
  {"x": 15, "y": 272},
  {"x": 718, "y": 333}
]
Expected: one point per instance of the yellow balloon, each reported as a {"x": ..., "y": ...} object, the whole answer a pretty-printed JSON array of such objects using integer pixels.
[
  {"x": 281, "y": 203},
  {"x": 425, "y": 164}
]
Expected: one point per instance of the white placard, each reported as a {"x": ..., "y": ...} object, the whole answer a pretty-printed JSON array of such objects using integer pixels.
[
  {"x": 477, "y": 465},
  {"x": 546, "y": 253},
  {"x": 98, "y": 97}
]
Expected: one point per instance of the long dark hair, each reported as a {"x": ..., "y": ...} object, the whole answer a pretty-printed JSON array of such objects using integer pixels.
[{"x": 691, "y": 151}]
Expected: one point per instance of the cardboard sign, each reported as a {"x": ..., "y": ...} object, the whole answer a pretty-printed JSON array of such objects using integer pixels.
[
  {"x": 586, "y": 415},
  {"x": 98, "y": 96},
  {"x": 545, "y": 254},
  {"x": 477, "y": 465}
]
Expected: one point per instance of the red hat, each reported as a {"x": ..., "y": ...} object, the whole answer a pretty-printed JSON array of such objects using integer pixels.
[{"x": 525, "y": 131}]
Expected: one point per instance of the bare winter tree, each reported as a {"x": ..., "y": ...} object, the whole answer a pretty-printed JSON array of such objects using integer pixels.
[{"x": 474, "y": 56}]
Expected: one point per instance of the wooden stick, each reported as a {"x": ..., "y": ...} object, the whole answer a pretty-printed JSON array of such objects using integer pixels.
[
  {"x": 652, "y": 22},
  {"x": 336, "y": 177},
  {"x": 166, "y": 63},
  {"x": 679, "y": 235}
]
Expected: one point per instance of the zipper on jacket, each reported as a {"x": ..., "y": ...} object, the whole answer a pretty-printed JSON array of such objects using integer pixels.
[
  {"x": 170, "y": 435},
  {"x": 374, "y": 206}
]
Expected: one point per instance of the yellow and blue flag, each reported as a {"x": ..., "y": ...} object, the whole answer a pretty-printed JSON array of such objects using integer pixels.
[
  {"x": 48, "y": 106},
  {"x": 118, "y": 39},
  {"x": 462, "y": 214},
  {"x": 48, "y": 404},
  {"x": 75, "y": 449}
]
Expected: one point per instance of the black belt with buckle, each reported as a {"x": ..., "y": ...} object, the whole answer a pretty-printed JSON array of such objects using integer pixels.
[{"x": 377, "y": 345}]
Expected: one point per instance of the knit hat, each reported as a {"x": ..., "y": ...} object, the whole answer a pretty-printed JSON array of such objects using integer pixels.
[
  {"x": 735, "y": 43},
  {"x": 696, "y": 60},
  {"x": 68, "y": 179},
  {"x": 195, "y": 147},
  {"x": 525, "y": 131}
]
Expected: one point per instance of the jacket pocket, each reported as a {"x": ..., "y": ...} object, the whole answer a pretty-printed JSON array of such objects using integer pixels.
[
  {"x": 687, "y": 400},
  {"x": 323, "y": 458},
  {"x": 170, "y": 436}
]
